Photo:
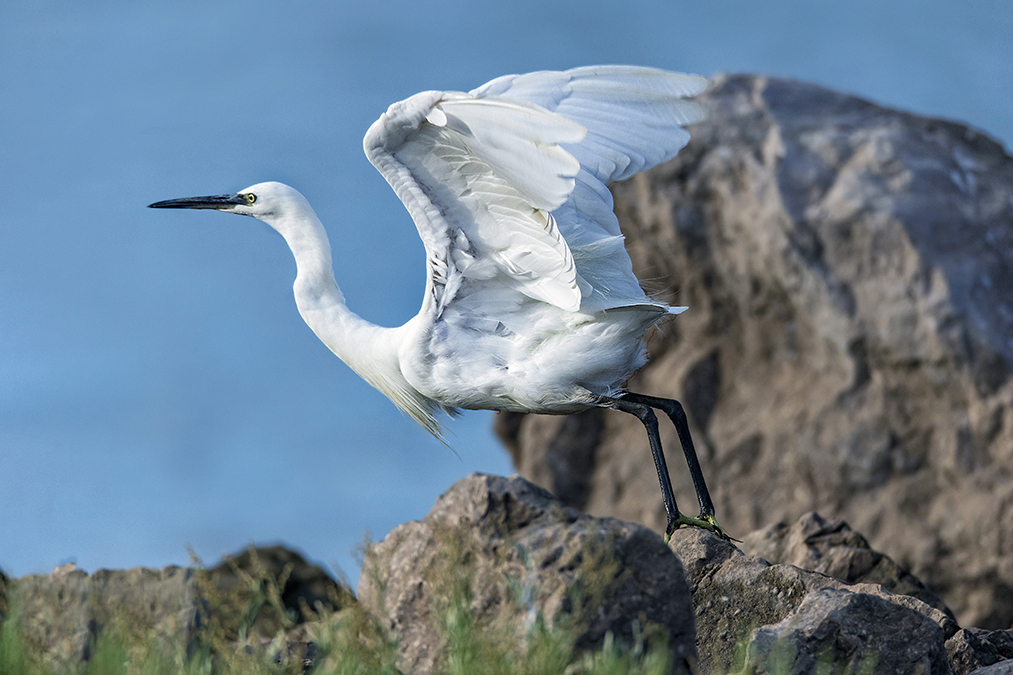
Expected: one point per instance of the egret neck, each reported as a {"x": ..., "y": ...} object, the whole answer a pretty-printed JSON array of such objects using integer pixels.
[{"x": 317, "y": 295}]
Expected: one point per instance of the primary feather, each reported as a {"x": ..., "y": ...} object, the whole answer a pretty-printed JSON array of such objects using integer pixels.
[{"x": 531, "y": 301}]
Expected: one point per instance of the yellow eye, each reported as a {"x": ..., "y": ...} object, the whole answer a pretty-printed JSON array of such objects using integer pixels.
[{"x": 250, "y": 197}]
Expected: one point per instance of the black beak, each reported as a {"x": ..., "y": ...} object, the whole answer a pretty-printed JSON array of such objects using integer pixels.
[{"x": 213, "y": 202}]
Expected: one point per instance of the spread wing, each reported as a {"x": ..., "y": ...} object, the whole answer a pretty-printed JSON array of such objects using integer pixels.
[
  {"x": 507, "y": 184},
  {"x": 634, "y": 118}
]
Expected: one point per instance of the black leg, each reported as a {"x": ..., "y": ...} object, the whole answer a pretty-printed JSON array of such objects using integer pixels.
[
  {"x": 650, "y": 421},
  {"x": 641, "y": 407},
  {"x": 674, "y": 410}
]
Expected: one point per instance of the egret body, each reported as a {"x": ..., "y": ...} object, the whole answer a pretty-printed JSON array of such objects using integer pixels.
[{"x": 531, "y": 304}]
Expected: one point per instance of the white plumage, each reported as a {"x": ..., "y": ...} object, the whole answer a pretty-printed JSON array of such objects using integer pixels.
[{"x": 531, "y": 303}]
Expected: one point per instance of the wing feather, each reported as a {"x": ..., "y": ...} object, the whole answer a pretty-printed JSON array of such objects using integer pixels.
[
  {"x": 480, "y": 178},
  {"x": 519, "y": 143},
  {"x": 634, "y": 118},
  {"x": 508, "y": 184}
]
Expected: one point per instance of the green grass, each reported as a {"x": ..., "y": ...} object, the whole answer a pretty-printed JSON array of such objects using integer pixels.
[
  {"x": 347, "y": 642},
  {"x": 246, "y": 631}
]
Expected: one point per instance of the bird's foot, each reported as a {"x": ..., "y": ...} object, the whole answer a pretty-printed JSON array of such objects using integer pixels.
[{"x": 705, "y": 522}]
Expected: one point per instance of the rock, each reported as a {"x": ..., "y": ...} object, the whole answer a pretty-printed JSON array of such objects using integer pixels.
[
  {"x": 758, "y": 617},
  {"x": 303, "y": 590},
  {"x": 1001, "y": 668},
  {"x": 848, "y": 347},
  {"x": 266, "y": 591},
  {"x": 972, "y": 649},
  {"x": 510, "y": 552},
  {"x": 835, "y": 549},
  {"x": 61, "y": 571},
  {"x": 852, "y": 632},
  {"x": 4, "y": 587},
  {"x": 62, "y": 614}
]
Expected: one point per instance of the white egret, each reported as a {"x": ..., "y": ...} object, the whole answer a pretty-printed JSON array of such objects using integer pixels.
[{"x": 531, "y": 304}]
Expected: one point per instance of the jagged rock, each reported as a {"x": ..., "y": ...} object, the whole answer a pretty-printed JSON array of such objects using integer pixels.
[
  {"x": 833, "y": 548},
  {"x": 971, "y": 649},
  {"x": 853, "y": 632},
  {"x": 512, "y": 552},
  {"x": 762, "y": 618},
  {"x": 848, "y": 347}
]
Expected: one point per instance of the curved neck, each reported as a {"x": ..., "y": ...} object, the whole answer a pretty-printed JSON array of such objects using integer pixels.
[
  {"x": 314, "y": 282},
  {"x": 318, "y": 297},
  {"x": 369, "y": 350}
]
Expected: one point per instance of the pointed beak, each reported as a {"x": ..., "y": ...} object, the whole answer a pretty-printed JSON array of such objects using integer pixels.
[{"x": 213, "y": 202}]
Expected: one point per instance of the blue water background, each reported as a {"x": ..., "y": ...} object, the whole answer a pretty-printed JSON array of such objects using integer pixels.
[{"x": 157, "y": 386}]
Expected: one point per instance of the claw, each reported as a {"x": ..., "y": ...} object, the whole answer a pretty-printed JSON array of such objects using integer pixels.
[{"x": 704, "y": 522}]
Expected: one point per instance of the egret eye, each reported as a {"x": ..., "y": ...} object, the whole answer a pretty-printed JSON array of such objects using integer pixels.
[{"x": 250, "y": 198}]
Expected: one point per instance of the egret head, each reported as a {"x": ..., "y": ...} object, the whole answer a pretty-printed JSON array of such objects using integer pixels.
[{"x": 270, "y": 202}]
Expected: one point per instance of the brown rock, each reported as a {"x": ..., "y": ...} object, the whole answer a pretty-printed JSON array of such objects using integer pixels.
[
  {"x": 511, "y": 553},
  {"x": 302, "y": 590},
  {"x": 835, "y": 549},
  {"x": 849, "y": 632},
  {"x": 758, "y": 617},
  {"x": 971, "y": 649},
  {"x": 61, "y": 615},
  {"x": 849, "y": 273}
]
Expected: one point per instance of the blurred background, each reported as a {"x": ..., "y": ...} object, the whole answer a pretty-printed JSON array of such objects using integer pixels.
[{"x": 158, "y": 389}]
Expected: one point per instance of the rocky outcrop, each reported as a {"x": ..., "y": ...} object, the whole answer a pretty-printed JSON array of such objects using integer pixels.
[
  {"x": 848, "y": 347},
  {"x": 298, "y": 589},
  {"x": 253, "y": 595},
  {"x": 836, "y": 550},
  {"x": 780, "y": 618},
  {"x": 62, "y": 614},
  {"x": 511, "y": 554},
  {"x": 972, "y": 649},
  {"x": 500, "y": 560}
]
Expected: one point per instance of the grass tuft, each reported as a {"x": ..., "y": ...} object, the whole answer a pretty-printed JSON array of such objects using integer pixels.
[{"x": 245, "y": 629}]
